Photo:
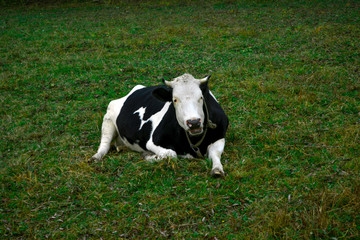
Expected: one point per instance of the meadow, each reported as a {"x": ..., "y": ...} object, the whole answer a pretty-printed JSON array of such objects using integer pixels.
[{"x": 287, "y": 74}]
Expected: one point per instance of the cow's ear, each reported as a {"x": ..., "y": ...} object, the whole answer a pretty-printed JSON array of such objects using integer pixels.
[{"x": 163, "y": 94}]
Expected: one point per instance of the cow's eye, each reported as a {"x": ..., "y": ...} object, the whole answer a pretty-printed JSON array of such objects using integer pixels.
[{"x": 175, "y": 100}]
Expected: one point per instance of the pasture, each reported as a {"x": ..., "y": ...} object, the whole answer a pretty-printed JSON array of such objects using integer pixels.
[{"x": 287, "y": 73}]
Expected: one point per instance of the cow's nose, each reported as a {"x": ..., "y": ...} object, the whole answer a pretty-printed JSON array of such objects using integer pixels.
[{"x": 194, "y": 123}]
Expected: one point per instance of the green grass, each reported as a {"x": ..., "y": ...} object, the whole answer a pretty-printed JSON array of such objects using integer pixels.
[{"x": 287, "y": 74}]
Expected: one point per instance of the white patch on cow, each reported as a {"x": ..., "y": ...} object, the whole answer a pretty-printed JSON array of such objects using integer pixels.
[
  {"x": 141, "y": 112},
  {"x": 214, "y": 152}
]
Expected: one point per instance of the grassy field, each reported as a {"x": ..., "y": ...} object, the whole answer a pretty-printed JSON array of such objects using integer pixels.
[{"x": 287, "y": 74}]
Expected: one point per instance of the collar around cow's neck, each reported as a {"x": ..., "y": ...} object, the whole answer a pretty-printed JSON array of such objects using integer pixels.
[{"x": 209, "y": 124}]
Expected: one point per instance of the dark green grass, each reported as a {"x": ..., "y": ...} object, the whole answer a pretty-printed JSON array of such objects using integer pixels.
[{"x": 287, "y": 75}]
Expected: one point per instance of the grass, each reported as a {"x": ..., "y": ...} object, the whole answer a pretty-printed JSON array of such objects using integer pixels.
[{"x": 286, "y": 73}]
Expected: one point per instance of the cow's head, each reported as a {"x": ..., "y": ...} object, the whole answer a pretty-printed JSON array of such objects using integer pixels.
[{"x": 186, "y": 94}]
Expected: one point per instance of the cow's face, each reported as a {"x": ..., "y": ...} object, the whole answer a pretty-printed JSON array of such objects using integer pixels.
[{"x": 188, "y": 102}]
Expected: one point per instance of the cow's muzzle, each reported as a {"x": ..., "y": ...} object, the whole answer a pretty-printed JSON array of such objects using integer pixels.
[{"x": 194, "y": 126}]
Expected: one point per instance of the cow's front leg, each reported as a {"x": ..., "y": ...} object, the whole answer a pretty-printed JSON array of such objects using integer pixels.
[
  {"x": 214, "y": 152},
  {"x": 159, "y": 152}
]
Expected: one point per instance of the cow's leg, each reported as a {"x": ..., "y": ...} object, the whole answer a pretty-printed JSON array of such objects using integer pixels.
[
  {"x": 160, "y": 152},
  {"x": 214, "y": 152},
  {"x": 108, "y": 131}
]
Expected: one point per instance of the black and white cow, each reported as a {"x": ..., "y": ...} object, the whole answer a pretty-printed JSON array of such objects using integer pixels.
[{"x": 182, "y": 118}]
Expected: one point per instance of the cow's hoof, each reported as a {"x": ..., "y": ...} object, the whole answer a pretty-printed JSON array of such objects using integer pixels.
[
  {"x": 151, "y": 158},
  {"x": 94, "y": 159},
  {"x": 167, "y": 154},
  {"x": 217, "y": 172}
]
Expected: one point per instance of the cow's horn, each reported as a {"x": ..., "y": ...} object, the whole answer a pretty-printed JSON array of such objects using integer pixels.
[
  {"x": 168, "y": 83},
  {"x": 205, "y": 79}
]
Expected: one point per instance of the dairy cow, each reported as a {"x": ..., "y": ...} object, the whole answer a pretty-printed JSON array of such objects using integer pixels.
[{"x": 180, "y": 118}]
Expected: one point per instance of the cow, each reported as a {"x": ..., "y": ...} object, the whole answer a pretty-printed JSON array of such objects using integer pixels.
[{"x": 180, "y": 118}]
